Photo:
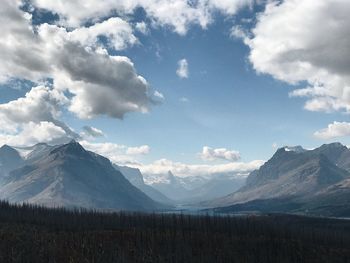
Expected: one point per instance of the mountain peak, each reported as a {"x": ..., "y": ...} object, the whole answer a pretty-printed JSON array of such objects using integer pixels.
[
  {"x": 333, "y": 145},
  {"x": 6, "y": 147},
  {"x": 8, "y": 150},
  {"x": 297, "y": 149},
  {"x": 73, "y": 147}
]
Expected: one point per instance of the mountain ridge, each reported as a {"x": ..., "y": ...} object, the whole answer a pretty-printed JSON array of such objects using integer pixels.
[{"x": 302, "y": 177}]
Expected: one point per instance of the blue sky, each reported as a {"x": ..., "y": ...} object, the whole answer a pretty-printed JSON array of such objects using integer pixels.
[{"x": 232, "y": 100}]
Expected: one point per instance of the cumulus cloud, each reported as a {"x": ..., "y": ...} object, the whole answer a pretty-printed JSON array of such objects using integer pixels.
[
  {"x": 20, "y": 55},
  {"x": 117, "y": 153},
  {"x": 76, "y": 61},
  {"x": 334, "y": 130},
  {"x": 144, "y": 149},
  {"x": 239, "y": 32},
  {"x": 102, "y": 84},
  {"x": 176, "y": 14},
  {"x": 32, "y": 133},
  {"x": 34, "y": 118},
  {"x": 119, "y": 34},
  {"x": 289, "y": 42},
  {"x": 162, "y": 166},
  {"x": 210, "y": 154},
  {"x": 92, "y": 132},
  {"x": 182, "y": 70},
  {"x": 40, "y": 104},
  {"x": 142, "y": 27}
]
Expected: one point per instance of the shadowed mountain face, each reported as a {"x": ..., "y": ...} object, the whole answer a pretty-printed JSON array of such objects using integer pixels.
[
  {"x": 9, "y": 160},
  {"x": 70, "y": 176},
  {"x": 313, "y": 181}
]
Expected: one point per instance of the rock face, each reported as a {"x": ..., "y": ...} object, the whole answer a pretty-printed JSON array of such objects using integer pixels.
[
  {"x": 70, "y": 176},
  {"x": 316, "y": 181}
]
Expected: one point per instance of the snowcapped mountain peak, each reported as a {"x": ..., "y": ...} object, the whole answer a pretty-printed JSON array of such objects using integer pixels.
[{"x": 297, "y": 149}]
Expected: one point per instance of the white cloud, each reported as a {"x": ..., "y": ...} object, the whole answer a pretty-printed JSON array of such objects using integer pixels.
[
  {"x": 182, "y": 70},
  {"x": 119, "y": 34},
  {"x": 161, "y": 167},
  {"x": 120, "y": 89},
  {"x": 117, "y": 153},
  {"x": 89, "y": 131},
  {"x": 34, "y": 118},
  {"x": 114, "y": 152},
  {"x": 289, "y": 42},
  {"x": 40, "y": 104},
  {"x": 143, "y": 149},
  {"x": 158, "y": 94},
  {"x": 20, "y": 55},
  {"x": 210, "y": 154},
  {"x": 142, "y": 27},
  {"x": 176, "y": 14},
  {"x": 334, "y": 130},
  {"x": 76, "y": 61},
  {"x": 239, "y": 32},
  {"x": 32, "y": 133},
  {"x": 229, "y": 7}
]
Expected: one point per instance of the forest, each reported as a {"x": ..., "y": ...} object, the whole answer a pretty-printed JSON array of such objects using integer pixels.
[{"x": 30, "y": 233}]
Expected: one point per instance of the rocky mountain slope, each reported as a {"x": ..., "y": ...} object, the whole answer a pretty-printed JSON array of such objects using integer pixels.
[
  {"x": 70, "y": 176},
  {"x": 314, "y": 181}
]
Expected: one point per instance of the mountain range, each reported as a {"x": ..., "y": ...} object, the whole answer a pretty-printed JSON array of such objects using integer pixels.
[
  {"x": 295, "y": 180},
  {"x": 194, "y": 189}
]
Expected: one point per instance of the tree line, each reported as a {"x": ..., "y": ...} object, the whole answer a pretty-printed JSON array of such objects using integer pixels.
[{"x": 30, "y": 233}]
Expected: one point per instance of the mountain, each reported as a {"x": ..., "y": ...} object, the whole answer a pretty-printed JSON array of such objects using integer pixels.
[
  {"x": 314, "y": 181},
  {"x": 193, "y": 189},
  {"x": 134, "y": 176},
  {"x": 70, "y": 176},
  {"x": 217, "y": 186},
  {"x": 9, "y": 160},
  {"x": 35, "y": 152},
  {"x": 171, "y": 186},
  {"x": 336, "y": 153}
]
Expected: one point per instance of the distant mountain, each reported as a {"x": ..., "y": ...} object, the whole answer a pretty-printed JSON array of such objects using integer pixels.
[
  {"x": 194, "y": 189},
  {"x": 171, "y": 186},
  {"x": 70, "y": 176},
  {"x": 314, "y": 181},
  {"x": 134, "y": 176},
  {"x": 217, "y": 186}
]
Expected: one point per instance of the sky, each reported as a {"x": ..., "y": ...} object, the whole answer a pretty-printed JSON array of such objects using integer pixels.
[{"x": 196, "y": 87}]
